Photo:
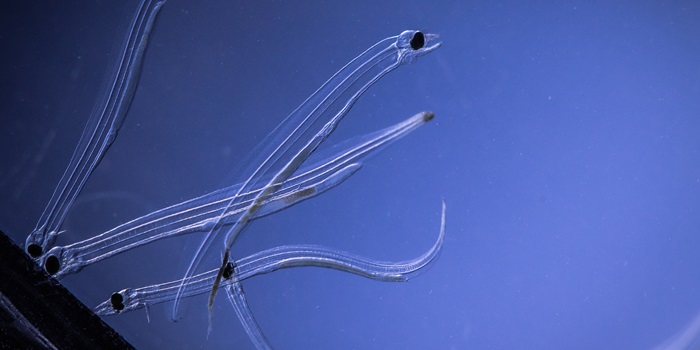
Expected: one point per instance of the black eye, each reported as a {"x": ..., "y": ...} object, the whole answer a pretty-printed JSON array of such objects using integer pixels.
[
  {"x": 34, "y": 250},
  {"x": 228, "y": 270},
  {"x": 417, "y": 41},
  {"x": 117, "y": 301},
  {"x": 52, "y": 265}
]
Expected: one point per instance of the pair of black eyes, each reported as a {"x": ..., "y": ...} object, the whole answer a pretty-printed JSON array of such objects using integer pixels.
[{"x": 418, "y": 41}]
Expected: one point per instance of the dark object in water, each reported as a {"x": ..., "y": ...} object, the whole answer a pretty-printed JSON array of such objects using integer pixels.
[{"x": 38, "y": 312}]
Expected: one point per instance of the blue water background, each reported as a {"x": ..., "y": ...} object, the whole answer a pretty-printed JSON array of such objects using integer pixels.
[{"x": 565, "y": 144}]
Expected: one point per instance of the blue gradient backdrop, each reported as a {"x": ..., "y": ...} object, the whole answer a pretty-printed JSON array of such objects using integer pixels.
[{"x": 565, "y": 143}]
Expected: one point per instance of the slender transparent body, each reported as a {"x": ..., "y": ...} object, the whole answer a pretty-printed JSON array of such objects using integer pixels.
[
  {"x": 100, "y": 131},
  {"x": 199, "y": 214},
  {"x": 291, "y": 143},
  {"x": 274, "y": 259},
  {"x": 236, "y": 297},
  {"x": 270, "y": 185},
  {"x": 383, "y": 271}
]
